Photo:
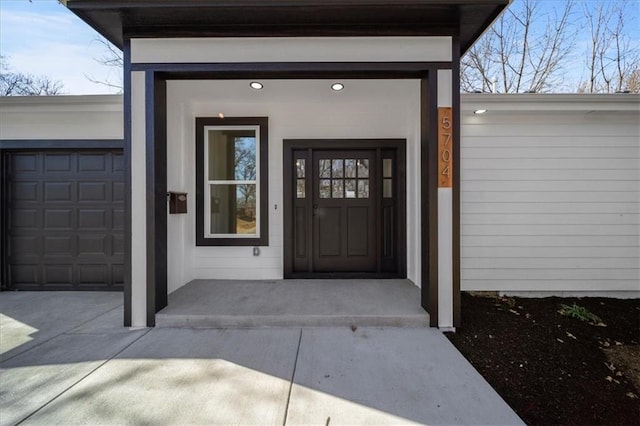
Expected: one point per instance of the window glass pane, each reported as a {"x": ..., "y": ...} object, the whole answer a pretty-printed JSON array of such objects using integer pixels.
[
  {"x": 363, "y": 188},
  {"x": 350, "y": 188},
  {"x": 325, "y": 188},
  {"x": 350, "y": 168},
  {"x": 232, "y": 154},
  {"x": 233, "y": 209},
  {"x": 300, "y": 167},
  {"x": 300, "y": 188},
  {"x": 337, "y": 188},
  {"x": 387, "y": 188},
  {"x": 337, "y": 169},
  {"x": 363, "y": 168},
  {"x": 387, "y": 167},
  {"x": 325, "y": 169}
]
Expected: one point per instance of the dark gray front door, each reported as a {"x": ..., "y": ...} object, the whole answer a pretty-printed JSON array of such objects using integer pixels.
[
  {"x": 65, "y": 214},
  {"x": 344, "y": 193},
  {"x": 344, "y": 208}
]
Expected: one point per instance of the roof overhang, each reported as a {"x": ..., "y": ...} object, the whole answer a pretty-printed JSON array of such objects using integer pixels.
[{"x": 118, "y": 20}]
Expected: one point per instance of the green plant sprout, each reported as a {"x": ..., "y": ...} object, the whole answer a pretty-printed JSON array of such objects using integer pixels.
[{"x": 579, "y": 312}]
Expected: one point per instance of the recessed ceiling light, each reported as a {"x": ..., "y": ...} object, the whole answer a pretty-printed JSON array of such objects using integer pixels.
[
  {"x": 480, "y": 111},
  {"x": 336, "y": 87},
  {"x": 256, "y": 85},
  {"x": 220, "y": 115}
]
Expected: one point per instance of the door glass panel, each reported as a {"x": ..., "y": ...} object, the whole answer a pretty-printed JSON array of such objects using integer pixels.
[
  {"x": 363, "y": 188},
  {"x": 363, "y": 168},
  {"x": 387, "y": 188},
  {"x": 300, "y": 188},
  {"x": 350, "y": 168},
  {"x": 338, "y": 190},
  {"x": 300, "y": 167},
  {"x": 350, "y": 188},
  {"x": 325, "y": 188},
  {"x": 338, "y": 171},
  {"x": 387, "y": 168},
  {"x": 325, "y": 169}
]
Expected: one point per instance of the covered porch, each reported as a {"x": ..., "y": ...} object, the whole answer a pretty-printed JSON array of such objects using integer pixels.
[{"x": 296, "y": 302}]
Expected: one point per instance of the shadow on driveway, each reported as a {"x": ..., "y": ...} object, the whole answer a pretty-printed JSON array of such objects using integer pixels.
[{"x": 98, "y": 372}]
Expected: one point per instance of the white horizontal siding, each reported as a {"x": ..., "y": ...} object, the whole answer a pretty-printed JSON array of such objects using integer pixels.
[
  {"x": 555, "y": 142},
  {"x": 556, "y": 286},
  {"x": 550, "y": 201},
  {"x": 472, "y": 253},
  {"x": 548, "y": 207},
  {"x": 549, "y": 175},
  {"x": 551, "y": 219}
]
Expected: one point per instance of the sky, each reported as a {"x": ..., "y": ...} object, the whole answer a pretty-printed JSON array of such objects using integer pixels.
[{"x": 42, "y": 37}]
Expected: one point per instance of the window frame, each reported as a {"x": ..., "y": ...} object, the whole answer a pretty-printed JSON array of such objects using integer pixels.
[{"x": 203, "y": 125}]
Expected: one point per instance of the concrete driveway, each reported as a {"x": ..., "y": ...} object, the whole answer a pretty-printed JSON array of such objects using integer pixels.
[{"x": 66, "y": 359}]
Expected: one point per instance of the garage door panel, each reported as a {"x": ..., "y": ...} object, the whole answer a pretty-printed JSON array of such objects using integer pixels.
[
  {"x": 27, "y": 219},
  {"x": 58, "y": 219},
  {"x": 25, "y": 246},
  {"x": 57, "y": 163},
  {"x": 24, "y": 192},
  {"x": 92, "y": 219},
  {"x": 117, "y": 219},
  {"x": 62, "y": 246},
  {"x": 92, "y": 191},
  {"x": 117, "y": 245},
  {"x": 58, "y": 191},
  {"x": 24, "y": 275},
  {"x": 117, "y": 163},
  {"x": 92, "y": 274},
  {"x": 58, "y": 275},
  {"x": 91, "y": 245},
  {"x": 66, "y": 220},
  {"x": 92, "y": 163},
  {"x": 117, "y": 274},
  {"x": 118, "y": 191},
  {"x": 24, "y": 162}
]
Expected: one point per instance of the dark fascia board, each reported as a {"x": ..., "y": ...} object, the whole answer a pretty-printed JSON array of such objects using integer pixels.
[
  {"x": 18, "y": 144},
  {"x": 117, "y": 19}
]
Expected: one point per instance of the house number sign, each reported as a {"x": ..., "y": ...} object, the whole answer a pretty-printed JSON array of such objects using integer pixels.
[{"x": 445, "y": 146}]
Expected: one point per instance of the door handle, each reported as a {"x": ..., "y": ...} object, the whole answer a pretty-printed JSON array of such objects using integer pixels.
[{"x": 315, "y": 209}]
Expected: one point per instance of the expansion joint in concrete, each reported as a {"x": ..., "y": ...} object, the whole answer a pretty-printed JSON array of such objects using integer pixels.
[
  {"x": 293, "y": 378},
  {"x": 68, "y": 388}
]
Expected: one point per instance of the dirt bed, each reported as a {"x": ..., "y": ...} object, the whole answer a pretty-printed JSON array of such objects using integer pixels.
[{"x": 553, "y": 369}]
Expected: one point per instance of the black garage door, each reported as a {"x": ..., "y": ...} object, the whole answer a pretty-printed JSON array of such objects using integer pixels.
[{"x": 64, "y": 222}]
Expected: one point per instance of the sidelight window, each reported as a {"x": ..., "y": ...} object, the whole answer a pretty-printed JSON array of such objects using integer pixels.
[{"x": 231, "y": 181}]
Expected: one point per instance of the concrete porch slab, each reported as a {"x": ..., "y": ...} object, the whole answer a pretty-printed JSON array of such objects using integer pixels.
[{"x": 304, "y": 303}]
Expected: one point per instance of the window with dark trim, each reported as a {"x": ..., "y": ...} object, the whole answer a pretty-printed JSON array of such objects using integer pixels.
[{"x": 232, "y": 181}]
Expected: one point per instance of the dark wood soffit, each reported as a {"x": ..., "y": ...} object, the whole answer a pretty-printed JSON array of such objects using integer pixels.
[{"x": 117, "y": 20}]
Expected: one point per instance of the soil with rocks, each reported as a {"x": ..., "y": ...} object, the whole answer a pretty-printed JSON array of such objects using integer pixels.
[{"x": 554, "y": 369}]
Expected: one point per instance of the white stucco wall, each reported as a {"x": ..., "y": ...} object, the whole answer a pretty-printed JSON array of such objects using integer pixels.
[
  {"x": 303, "y": 109},
  {"x": 550, "y": 193}
]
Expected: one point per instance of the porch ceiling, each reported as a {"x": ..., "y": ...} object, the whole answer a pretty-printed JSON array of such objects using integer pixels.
[{"x": 117, "y": 19}]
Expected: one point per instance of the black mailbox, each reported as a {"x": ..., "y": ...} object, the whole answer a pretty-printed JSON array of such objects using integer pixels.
[{"x": 177, "y": 202}]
